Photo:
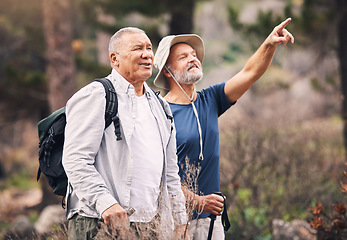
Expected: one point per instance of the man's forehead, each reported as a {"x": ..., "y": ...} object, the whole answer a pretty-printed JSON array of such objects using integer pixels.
[
  {"x": 137, "y": 39},
  {"x": 179, "y": 48}
]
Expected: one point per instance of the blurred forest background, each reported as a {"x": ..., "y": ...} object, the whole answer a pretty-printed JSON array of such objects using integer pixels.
[{"x": 282, "y": 144}]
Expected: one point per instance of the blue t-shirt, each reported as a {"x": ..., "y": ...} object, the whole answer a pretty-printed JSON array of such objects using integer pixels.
[{"x": 210, "y": 104}]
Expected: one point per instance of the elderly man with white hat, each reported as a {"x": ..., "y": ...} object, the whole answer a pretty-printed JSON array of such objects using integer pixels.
[{"x": 179, "y": 61}]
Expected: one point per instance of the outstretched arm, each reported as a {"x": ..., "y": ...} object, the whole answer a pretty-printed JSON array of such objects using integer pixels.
[{"x": 258, "y": 63}]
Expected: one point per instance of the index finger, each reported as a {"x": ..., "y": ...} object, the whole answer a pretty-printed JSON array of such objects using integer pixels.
[{"x": 284, "y": 23}]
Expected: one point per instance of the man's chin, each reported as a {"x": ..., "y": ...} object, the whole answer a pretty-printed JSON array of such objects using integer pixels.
[
  {"x": 197, "y": 80},
  {"x": 190, "y": 81}
]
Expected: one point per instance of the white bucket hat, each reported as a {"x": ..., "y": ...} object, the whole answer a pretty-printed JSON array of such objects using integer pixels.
[{"x": 163, "y": 52}]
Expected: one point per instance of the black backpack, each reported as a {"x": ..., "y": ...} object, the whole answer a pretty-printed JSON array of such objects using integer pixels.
[{"x": 51, "y": 135}]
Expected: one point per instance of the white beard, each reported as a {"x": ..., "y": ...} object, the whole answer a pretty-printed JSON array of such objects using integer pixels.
[{"x": 186, "y": 77}]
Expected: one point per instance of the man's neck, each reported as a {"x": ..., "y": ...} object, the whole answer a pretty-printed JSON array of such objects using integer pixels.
[
  {"x": 139, "y": 90},
  {"x": 138, "y": 85},
  {"x": 176, "y": 95}
]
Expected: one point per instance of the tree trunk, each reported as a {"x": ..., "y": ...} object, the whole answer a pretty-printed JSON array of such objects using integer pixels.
[
  {"x": 342, "y": 53},
  {"x": 182, "y": 18},
  {"x": 60, "y": 58},
  {"x": 57, "y": 15}
]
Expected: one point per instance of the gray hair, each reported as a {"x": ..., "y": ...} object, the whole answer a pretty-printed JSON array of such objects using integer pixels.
[{"x": 115, "y": 41}]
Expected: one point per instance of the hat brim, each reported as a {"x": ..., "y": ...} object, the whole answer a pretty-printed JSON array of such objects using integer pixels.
[{"x": 163, "y": 53}]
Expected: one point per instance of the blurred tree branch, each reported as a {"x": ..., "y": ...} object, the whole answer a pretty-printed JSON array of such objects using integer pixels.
[{"x": 181, "y": 13}]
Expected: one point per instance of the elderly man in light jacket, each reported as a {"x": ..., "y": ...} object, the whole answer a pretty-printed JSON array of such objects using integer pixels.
[{"x": 133, "y": 181}]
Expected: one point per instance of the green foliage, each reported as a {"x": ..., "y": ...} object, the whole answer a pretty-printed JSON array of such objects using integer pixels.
[
  {"x": 246, "y": 219},
  {"x": 21, "y": 180},
  {"x": 22, "y": 64},
  {"x": 234, "y": 50},
  {"x": 314, "y": 21},
  {"x": 319, "y": 85},
  {"x": 233, "y": 18},
  {"x": 316, "y": 15},
  {"x": 316, "y": 84},
  {"x": 33, "y": 216},
  {"x": 278, "y": 172},
  {"x": 180, "y": 21},
  {"x": 90, "y": 10},
  {"x": 91, "y": 69},
  {"x": 332, "y": 81},
  {"x": 254, "y": 33},
  {"x": 147, "y": 7}
]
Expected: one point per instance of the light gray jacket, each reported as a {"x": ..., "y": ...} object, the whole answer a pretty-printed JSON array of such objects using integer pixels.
[{"x": 98, "y": 167}]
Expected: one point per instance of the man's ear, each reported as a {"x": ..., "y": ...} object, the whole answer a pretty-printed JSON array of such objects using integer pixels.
[
  {"x": 114, "y": 59},
  {"x": 165, "y": 72}
]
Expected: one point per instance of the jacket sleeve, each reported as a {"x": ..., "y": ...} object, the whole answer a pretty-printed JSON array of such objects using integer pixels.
[
  {"x": 84, "y": 130},
  {"x": 173, "y": 180}
]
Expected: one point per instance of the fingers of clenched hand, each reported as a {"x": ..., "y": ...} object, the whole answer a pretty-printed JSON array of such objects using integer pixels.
[
  {"x": 286, "y": 37},
  {"x": 282, "y": 35},
  {"x": 214, "y": 204},
  {"x": 115, "y": 216}
]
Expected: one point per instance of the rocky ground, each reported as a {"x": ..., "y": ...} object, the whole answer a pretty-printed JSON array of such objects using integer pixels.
[
  {"x": 24, "y": 222},
  {"x": 15, "y": 203}
]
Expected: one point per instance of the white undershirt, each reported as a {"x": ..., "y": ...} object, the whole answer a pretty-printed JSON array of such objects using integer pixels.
[{"x": 147, "y": 153}]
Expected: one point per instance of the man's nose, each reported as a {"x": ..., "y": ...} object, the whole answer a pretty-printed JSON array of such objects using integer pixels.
[
  {"x": 147, "y": 54},
  {"x": 193, "y": 58}
]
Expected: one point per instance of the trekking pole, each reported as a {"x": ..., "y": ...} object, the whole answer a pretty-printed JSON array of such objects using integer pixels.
[
  {"x": 213, "y": 218},
  {"x": 225, "y": 219},
  {"x": 210, "y": 230}
]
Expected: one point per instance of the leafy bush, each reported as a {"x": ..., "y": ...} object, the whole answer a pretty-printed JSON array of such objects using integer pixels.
[{"x": 273, "y": 172}]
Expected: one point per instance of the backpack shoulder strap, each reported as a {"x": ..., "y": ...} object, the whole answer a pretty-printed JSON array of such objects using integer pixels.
[
  {"x": 168, "y": 116},
  {"x": 111, "y": 106}
]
